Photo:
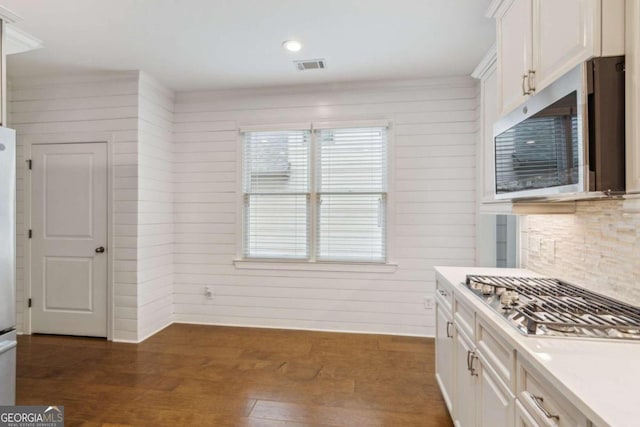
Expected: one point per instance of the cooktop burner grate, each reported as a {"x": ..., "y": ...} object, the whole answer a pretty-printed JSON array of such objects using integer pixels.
[{"x": 546, "y": 306}]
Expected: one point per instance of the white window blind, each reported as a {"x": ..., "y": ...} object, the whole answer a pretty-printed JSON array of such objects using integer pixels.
[
  {"x": 351, "y": 177},
  {"x": 276, "y": 194},
  {"x": 349, "y": 171}
]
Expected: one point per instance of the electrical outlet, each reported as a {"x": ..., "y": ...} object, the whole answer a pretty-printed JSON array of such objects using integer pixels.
[
  {"x": 428, "y": 303},
  {"x": 208, "y": 293}
]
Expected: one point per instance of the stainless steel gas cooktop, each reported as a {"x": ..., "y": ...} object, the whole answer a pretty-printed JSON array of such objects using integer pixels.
[{"x": 550, "y": 307}]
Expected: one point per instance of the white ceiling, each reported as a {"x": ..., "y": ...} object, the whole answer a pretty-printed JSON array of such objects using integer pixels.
[{"x": 222, "y": 44}]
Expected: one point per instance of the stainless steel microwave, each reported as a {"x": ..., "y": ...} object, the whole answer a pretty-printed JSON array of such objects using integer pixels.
[{"x": 567, "y": 140}]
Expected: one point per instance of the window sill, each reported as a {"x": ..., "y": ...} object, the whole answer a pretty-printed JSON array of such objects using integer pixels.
[{"x": 358, "y": 267}]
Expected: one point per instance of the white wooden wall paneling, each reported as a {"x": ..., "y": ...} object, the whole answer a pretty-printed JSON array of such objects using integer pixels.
[
  {"x": 434, "y": 127},
  {"x": 63, "y": 111},
  {"x": 155, "y": 208},
  {"x": 176, "y": 198}
]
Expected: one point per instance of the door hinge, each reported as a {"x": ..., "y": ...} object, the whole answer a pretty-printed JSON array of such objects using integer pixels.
[
  {"x": 29, "y": 302},
  {"x": 30, "y": 163},
  {"x": 30, "y": 233}
]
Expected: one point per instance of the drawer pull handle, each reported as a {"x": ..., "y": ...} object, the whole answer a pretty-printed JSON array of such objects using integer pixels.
[
  {"x": 471, "y": 355},
  {"x": 449, "y": 334},
  {"x": 474, "y": 372},
  {"x": 538, "y": 402}
]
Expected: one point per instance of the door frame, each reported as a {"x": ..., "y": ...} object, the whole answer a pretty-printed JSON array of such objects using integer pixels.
[{"x": 50, "y": 139}]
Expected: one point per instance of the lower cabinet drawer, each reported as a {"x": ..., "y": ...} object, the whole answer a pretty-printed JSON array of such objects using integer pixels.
[
  {"x": 524, "y": 418},
  {"x": 543, "y": 402},
  {"x": 444, "y": 291},
  {"x": 498, "y": 352},
  {"x": 464, "y": 317}
]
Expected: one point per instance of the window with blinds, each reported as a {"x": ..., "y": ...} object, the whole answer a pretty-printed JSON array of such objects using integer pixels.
[
  {"x": 345, "y": 180},
  {"x": 276, "y": 194},
  {"x": 351, "y": 178}
]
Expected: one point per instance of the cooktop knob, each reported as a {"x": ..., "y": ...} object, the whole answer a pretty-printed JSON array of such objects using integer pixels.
[{"x": 509, "y": 298}]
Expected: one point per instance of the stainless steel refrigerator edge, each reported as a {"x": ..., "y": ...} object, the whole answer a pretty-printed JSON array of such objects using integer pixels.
[{"x": 7, "y": 266}]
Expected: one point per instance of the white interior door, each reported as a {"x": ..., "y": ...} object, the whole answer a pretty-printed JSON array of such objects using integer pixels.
[{"x": 68, "y": 247}]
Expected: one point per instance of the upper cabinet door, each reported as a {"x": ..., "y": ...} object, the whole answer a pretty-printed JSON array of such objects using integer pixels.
[
  {"x": 540, "y": 40},
  {"x": 514, "y": 42},
  {"x": 564, "y": 35}
]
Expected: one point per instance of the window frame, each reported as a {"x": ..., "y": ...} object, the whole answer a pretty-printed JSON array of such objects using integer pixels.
[
  {"x": 312, "y": 263},
  {"x": 246, "y": 196}
]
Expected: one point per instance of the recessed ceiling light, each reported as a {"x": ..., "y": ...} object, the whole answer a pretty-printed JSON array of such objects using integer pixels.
[{"x": 292, "y": 45}]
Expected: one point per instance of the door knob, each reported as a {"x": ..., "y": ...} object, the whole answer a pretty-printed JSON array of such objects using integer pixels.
[{"x": 100, "y": 250}]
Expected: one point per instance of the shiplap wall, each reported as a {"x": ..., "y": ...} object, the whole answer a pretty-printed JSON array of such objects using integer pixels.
[
  {"x": 155, "y": 207},
  {"x": 431, "y": 206},
  {"x": 85, "y": 109}
]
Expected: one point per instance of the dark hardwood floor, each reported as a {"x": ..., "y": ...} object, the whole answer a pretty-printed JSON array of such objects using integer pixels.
[{"x": 190, "y": 375}]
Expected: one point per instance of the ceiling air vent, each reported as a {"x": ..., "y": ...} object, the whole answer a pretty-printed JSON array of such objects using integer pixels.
[{"x": 311, "y": 64}]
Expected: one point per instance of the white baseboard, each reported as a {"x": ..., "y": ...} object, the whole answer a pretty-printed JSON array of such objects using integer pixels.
[
  {"x": 337, "y": 331},
  {"x": 150, "y": 334}
]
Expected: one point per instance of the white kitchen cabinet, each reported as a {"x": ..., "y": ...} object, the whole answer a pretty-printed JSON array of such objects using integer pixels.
[
  {"x": 530, "y": 382},
  {"x": 496, "y": 352},
  {"x": 464, "y": 317},
  {"x": 480, "y": 397},
  {"x": 523, "y": 417},
  {"x": 464, "y": 392},
  {"x": 543, "y": 402},
  {"x": 486, "y": 73},
  {"x": 540, "y": 40},
  {"x": 444, "y": 351},
  {"x": 514, "y": 47},
  {"x": 564, "y": 36},
  {"x": 495, "y": 403}
]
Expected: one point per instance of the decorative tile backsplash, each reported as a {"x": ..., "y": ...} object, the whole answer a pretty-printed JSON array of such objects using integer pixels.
[{"x": 598, "y": 247}]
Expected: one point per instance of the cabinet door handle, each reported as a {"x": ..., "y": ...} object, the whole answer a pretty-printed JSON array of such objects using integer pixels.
[
  {"x": 449, "y": 334},
  {"x": 531, "y": 81},
  {"x": 469, "y": 352},
  {"x": 537, "y": 400},
  {"x": 474, "y": 372},
  {"x": 524, "y": 91}
]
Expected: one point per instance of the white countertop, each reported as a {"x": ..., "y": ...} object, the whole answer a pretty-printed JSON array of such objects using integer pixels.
[{"x": 600, "y": 377}]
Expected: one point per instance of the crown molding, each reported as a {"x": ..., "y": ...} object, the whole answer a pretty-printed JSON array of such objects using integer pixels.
[
  {"x": 494, "y": 7},
  {"x": 486, "y": 63},
  {"x": 8, "y": 16},
  {"x": 18, "y": 41}
]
